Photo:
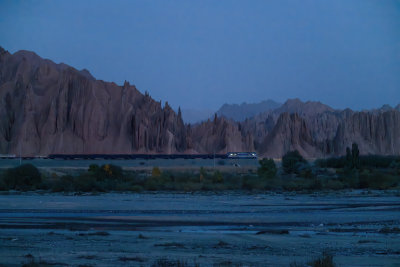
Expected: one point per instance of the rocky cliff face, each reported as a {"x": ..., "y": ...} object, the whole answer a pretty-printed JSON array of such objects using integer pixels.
[
  {"x": 221, "y": 136},
  {"x": 317, "y": 130},
  {"x": 289, "y": 133},
  {"x": 53, "y": 108},
  {"x": 376, "y": 133}
]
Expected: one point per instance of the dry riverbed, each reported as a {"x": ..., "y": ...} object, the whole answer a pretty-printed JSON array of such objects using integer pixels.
[{"x": 229, "y": 229}]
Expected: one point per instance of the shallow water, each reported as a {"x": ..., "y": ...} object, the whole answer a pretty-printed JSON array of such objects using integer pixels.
[{"x": 246, "y": 229}]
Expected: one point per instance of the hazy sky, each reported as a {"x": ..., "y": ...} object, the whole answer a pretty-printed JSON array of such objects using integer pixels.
[{"x": 201, "y": 54}]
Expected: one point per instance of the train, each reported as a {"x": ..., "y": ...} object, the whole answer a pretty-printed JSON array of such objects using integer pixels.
[
  {"x": 6, "y": 156},
  {"x": 242, "y": 155},
  {"x": 229, "y": 155}
]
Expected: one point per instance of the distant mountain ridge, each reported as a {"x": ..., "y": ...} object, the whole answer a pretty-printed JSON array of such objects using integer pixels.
[
  {"x": 49, "y": 108},
  {"x": 303, "y": 108},
  {"x": 244, "y": 111}
]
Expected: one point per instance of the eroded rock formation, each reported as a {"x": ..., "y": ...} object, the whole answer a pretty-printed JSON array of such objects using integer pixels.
[{"x": 53, "y": 108}]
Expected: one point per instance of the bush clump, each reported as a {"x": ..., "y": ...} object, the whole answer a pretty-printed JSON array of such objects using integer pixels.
[
  {"x": 24, "y": 177},
  {"x": 106, "y": 172},
  {"x": 293, "y": 162},
  {"x": 378, "y": 180},
  {"x": 267, "y": 168},
  {"x": 395, "y": 165},
  {"x": 353, "y": 160}
]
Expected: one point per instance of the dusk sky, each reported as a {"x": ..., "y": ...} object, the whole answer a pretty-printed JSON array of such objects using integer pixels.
[{"x": 201, "y": 54}]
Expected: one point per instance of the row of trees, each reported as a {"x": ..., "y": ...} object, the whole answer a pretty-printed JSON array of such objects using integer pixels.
[{"x": 294, "y": 163}]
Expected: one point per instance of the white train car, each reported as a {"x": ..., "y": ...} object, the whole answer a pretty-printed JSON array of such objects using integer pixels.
[
  {"x": 7, "y": 156},
  {"x": 241, "y": 155}
]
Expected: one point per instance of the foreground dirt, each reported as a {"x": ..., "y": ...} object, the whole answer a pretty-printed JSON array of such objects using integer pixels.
[{"x": 232, "y": 229}]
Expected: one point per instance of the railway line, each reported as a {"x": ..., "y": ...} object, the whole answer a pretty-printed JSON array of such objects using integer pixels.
[{"x": 229, "y": 155}]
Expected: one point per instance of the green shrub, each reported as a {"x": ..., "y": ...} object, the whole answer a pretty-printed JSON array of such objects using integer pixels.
[
  {"x": 217, "y": 177},
  {"x": 86, "y": 183},
  {"x": 366, "y": 161},
  {"x": 315, "y": 184},
  {"x": 65, "y": 183},
  {"x": 377, "y": 161},
  {"x": 334, "y": 184},
  {"x": 24, "y": 177},
  {"x": 106, "y": 171},
  {"x": 350, "y": 177},
  {"x": 203, "y": 174},
  {"x": 112, "y": 171},
  {"x": 267, "y": 168},
  {"x": 395, "y": 165},
  {"x": 293, "y": 185},
  {"x": 378, "y": 180},
  {"x": 154, "y": 183},
  {"x": 253, "y": 183},
  {"x": 93, "y": 168},
  {"x": 303, "y": 169},
  {"x": 333, "y": 162},
  {"x": 156, "y": 172},
  {"x": 291, "y": 161},
  {"x": 191, "y": 186}
]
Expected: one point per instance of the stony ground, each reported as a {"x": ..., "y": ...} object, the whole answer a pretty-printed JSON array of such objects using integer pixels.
[{"x": 231, "y": 229}]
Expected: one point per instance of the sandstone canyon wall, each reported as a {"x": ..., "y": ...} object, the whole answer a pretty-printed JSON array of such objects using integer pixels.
[{"x": 53, "y": 108}]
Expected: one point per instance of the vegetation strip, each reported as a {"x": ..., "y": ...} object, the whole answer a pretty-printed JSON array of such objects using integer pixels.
[{"x": 295, "y": 174}]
